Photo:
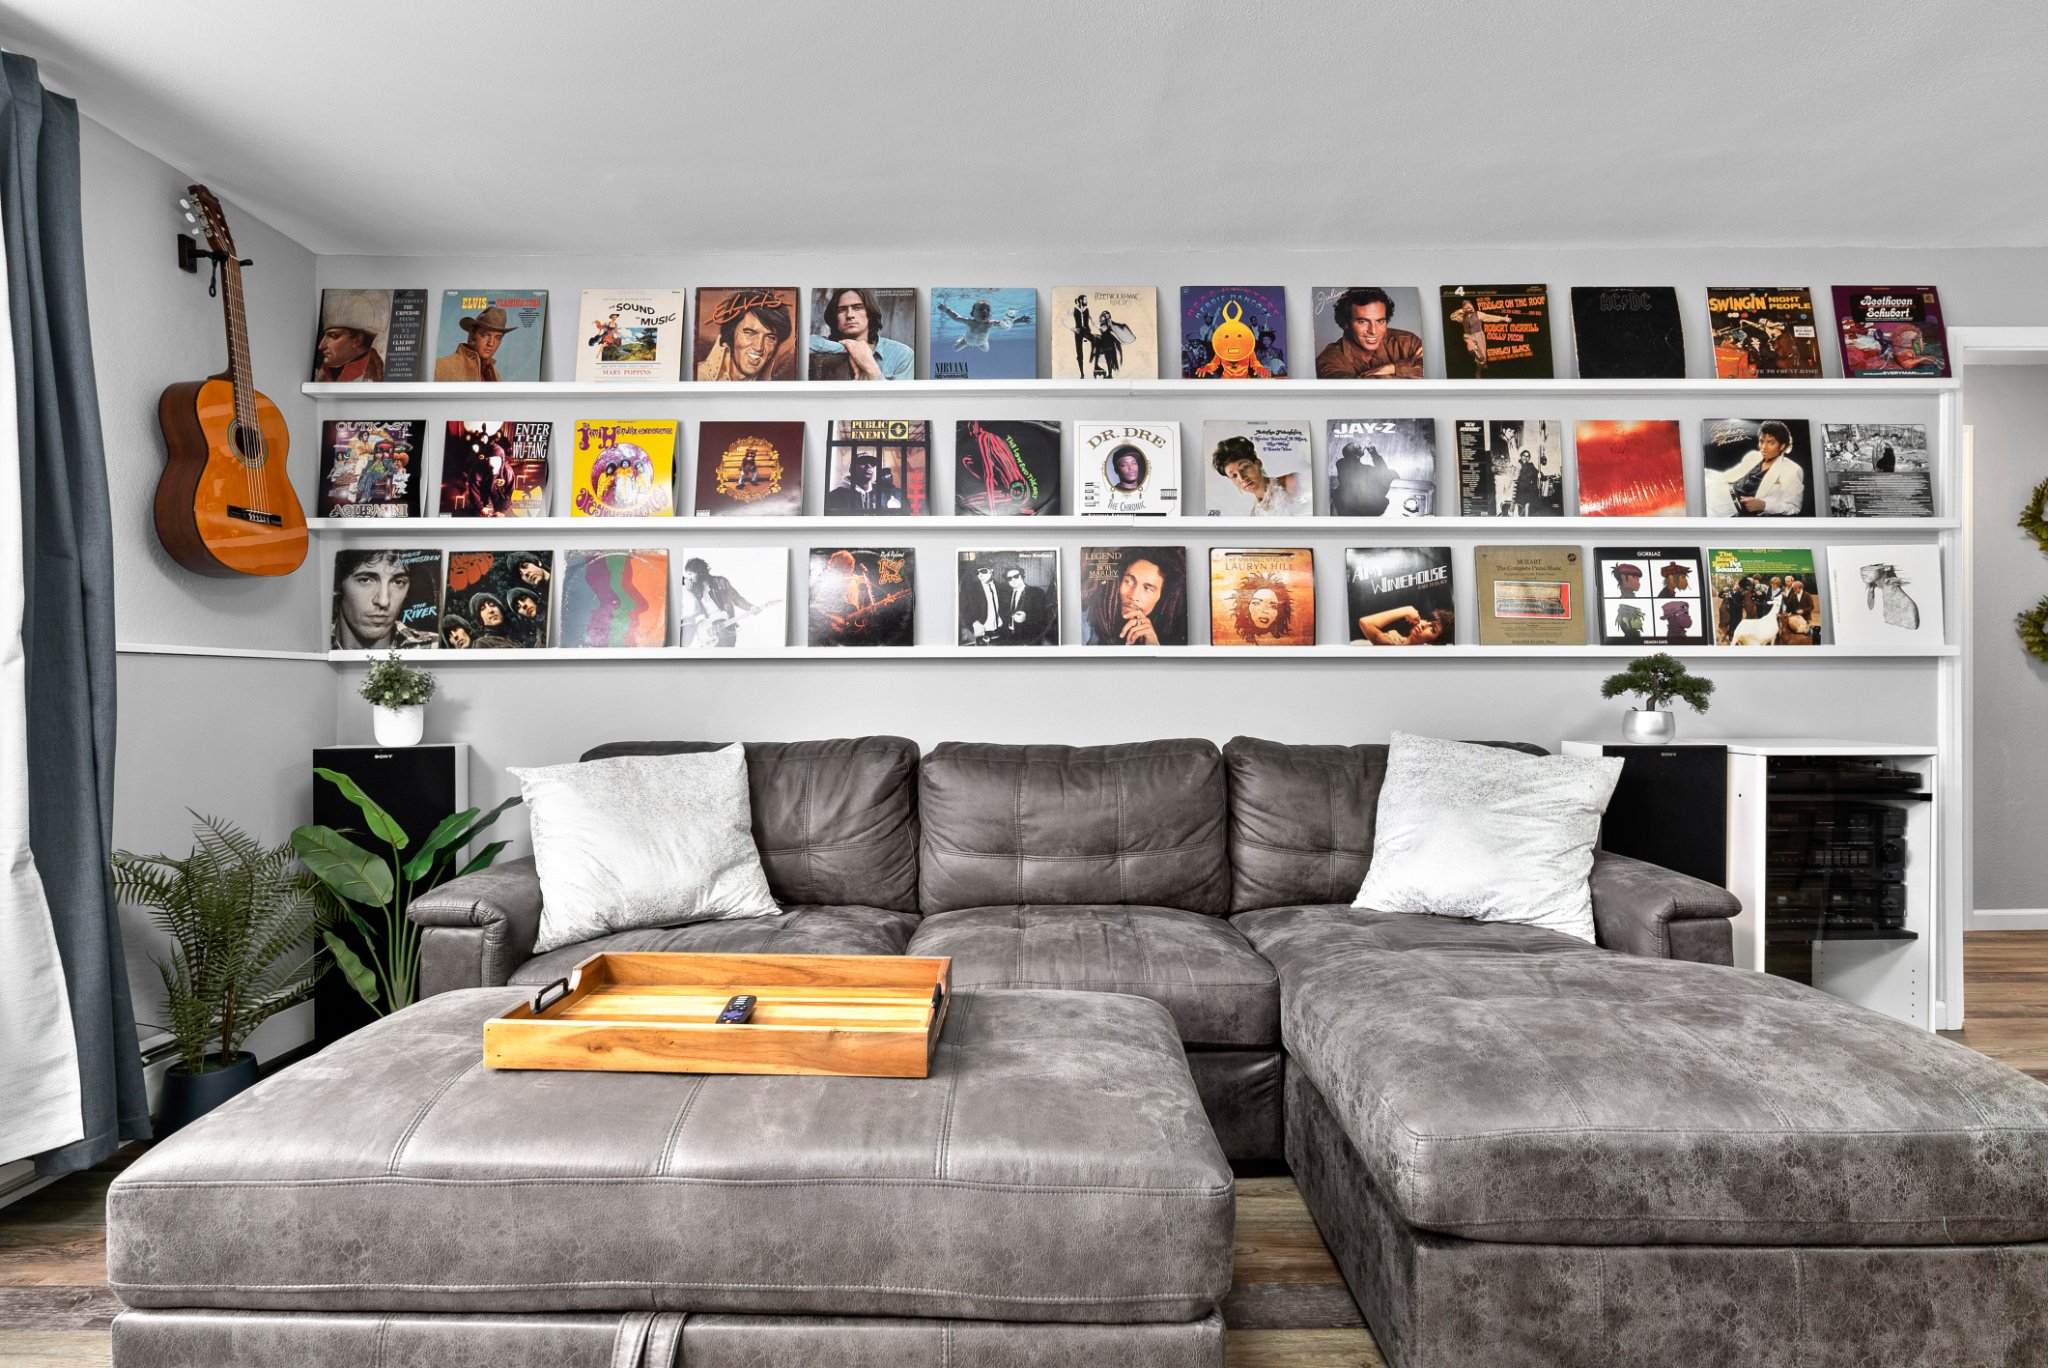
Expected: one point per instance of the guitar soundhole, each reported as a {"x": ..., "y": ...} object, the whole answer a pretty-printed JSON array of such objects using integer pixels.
[{"x": 247, "y": 443}]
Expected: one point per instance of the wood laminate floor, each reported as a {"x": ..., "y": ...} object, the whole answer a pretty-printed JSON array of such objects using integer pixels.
[{"x": 1287, "y": 1308}]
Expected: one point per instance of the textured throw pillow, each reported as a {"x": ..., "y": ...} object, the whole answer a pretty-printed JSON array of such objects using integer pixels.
[
  {"x": 643, "y": 840},
  {"x": 1488, "y": 834}
]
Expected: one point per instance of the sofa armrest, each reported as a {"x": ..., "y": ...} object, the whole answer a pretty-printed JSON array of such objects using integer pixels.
[
  {"x": 476, "y": 930},
  {"x": 1645, "y": 909}
]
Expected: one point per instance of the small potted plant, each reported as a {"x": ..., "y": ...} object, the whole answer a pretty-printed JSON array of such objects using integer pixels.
[
  {"x": 398, "y": 695},
  {"x": 1656, "y": 679}
]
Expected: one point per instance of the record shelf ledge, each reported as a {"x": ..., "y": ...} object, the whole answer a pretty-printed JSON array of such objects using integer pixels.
[
  {"x": 1747, "y": 531},
  {"x": 1204, "y": 654}
]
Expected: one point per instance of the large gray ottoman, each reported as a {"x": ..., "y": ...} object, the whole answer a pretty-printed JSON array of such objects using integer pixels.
[{"x": 1051, "y": 1194}]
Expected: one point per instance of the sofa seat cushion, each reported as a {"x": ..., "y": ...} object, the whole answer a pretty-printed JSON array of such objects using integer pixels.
[
  {"x": 1508, "y": 1083},
  {"x": 1220, "y": 992},
  {"x": 1055, "y": 1166},
  {"x": 797, "y": 931}
]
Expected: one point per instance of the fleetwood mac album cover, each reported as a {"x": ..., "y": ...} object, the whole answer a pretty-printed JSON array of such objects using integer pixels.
[
  {"x": 1381, "y": 467},
  {"x": 1651, "y": 595},
  {"x": 369, "y": 468},
  {"x": 1106, "y": 333},
  {"x": 1886, "y": 596},
  {"x": 862, "y": 334},
  {"x": 497, "y": 600},
  {"x": 1878, "y": 470},
  {"x": 1512, "y": 469},
  {"x": 624, "y": 469},
  {"x": 1006, "y": 467},
  {"x": 1497, "y": 332},
  {"x": 1630, "y": 469},
  {"x": 495, "y": 470},
  {"x": 630, "y": 335},
  {"x": 1233, "y": 332},
  {"x": 1128, "y": 467},
  {"x": 491, "y": 335},
  {"x": 1134, "y": 596},
  {"x": 732, "y": 596},
  {"x": 1400, "y": 596},
  {"x": 1764, "y": 597},
  {"x": 614, "y": 598},
  {"x": 984, "y": 334},
  {"x": 1628, "y": 333},
  {"x": 1258, "y": 470},
  {"x": 1891, "y": 332},
  {"x": 371, "y": 335},
  {"x": 746, "y": 333},
  {"x": 877, "y": 466},
  {"x": 1368, "y": 332},
  {"x": 863, "y": 597},
  {"x": 1530, "y": 595},
  {"x": 749, "y": 469},
  {"x": 1262, "y": 597},
  {"x": 1009, "y": 597},
  {"x": 1753, "y": 467},
  {"x": 385, "y": 600},
  {"x": 1764, "y": 332}
]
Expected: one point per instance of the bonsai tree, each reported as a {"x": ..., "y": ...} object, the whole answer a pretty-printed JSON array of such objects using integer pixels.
[
  {"x": 1657, "y": 679},
  {"x": 391, "y": 683}
]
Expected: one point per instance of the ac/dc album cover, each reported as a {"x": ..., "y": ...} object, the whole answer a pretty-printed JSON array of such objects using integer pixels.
[
  {"x": 1368, "y": 332},
  {"x": 369, "y": 468},
  {"x": 877, "y": 465},
  {"x": 1764, "y": 332},
  {"x": 630, "y": 335},
  {"x": 491, "y": 335},
  {"x": 624, "y": 469},
  {"x": 1651, "y": 595},
  {"x": 1753, "y": 467},
  {"x": 1258, "y": 470},
  {"x": 371, "y": 335},
  {"x": 749, "y": 469},
  {"x": 1630, "y": 469},
  {"x": 863, "y": 597},
  {"x": 1128, "y": 467},
  {"x": 1134, "y": 596},
  {"x": 1891, "y": 332},
  {"x": 1233, "y": 332},
  {"x": 1764, "y": 597},
  {"x": 1400, "y": 596},
  {"x": 1628, "y": 332},
  {"x": 495, "y": 470},
  {"x": 1886, "y": 596},
  {"x": 1382, "y": 467},
  {"x": 497, "y": 600},
  {"x": 385, "y": 600},
  {"x": 862, "y": 334},
  {"x": 614, "y": 598},
  {"x": 746, "y": 333},
  {"x": 1878, "y": 470},
  {"x": 732, "y": 596},
  {"x": 1006, "y": 467},
  {"x": 1512, "y": 469},
  {"x": 1262, "y": 597},
  {"x": 1530, "y": 595},
  {"x": 1106, "y": 333},
  {"x": 984, "y": 334},
  {"x": 1497, "y": 332},
  {"x": 1009, "y": 597}
]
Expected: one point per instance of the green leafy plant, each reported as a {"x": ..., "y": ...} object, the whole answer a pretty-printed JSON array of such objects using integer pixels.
[
  {"x": 383, "y": 963},
  {"x": 391, "y": 683},
  {"x": 241, "y": 917},
  {"x": 1657, "y": 679},
  {"x": 2033, "y": 624}
]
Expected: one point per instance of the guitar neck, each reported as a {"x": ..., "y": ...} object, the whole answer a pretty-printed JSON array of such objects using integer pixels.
[{"x": 239, "y": 370}]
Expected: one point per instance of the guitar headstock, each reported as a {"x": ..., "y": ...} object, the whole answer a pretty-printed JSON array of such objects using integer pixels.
[{"x": 205, "y": 219}]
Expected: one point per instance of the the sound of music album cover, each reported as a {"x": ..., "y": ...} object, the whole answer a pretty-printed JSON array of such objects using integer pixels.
[
  {"x": 745, "y": 333},
  {"x": 1755, "y": 467},
  {"x": 1651, "y": 596},
  {"x": 490, "y": 335},
  {"x": 624, "y": 468},
  {"x": 369, "y": 468},
  {"x": 732, "y": 596},
  {"x": 1368, "y": 332},
  {"x": 1765, "y": 597},
  {"x": 1233, "y": 332},
  {"x": 1006, "y": 467},
  {"x": 1128, "y": 467},
  {"x": 1381, "y": 467},
  {"x": 1009, "y": 597},
  {"x": 385, "y": 600},
  {"x": 630, "y": 335},
  {"x": 749, "y": 469},
  {"x": 1105, "y": 332},
  {"x": 984, "y": 334},
  {"x": 495, "y": 470},
  {"x": 1630, "y": 469},
  {"x": 1262, "y": 597},
  {"x": 1400, "y": 596},
  {"x": 614, "y": 598},
  {"x": 877, "y": 466},
  {"x": 1134, "y": 596},
  {"x": 497, "y": 600},
  {"x": 1497, "y": 332},
  {"x": 859, "y": 333},
  {"x": 1258, "y": 470},
  {"x": 863, "y": 596}
]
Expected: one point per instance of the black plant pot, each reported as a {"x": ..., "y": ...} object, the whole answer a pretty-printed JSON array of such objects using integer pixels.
[{"x": 187, "y": 1097}]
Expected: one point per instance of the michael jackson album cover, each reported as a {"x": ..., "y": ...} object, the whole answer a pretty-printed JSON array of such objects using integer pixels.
[
  {"x": 1630, "y": 469},
  {"x": 1400, "y": 596},
  {"x": 497, "y": 600},
  {"x": 1381, "y": 467},
  {"x": 1106, "y": 332},
  {"x": 1009, "y": 597},
  {"x": 1878, "y": 470},
  {"x": 614, "y": 598},
  {"x": 1765, "y": 597},
  {"x": 745, "y": 333},
  {"x": 1497, "y": 332},
  {"x": 1233, "y": 332},
  {"x": 1134, "y": 596},
  {"x": 1530, "y": 595},
  {"x": 368, "y": 336},
  {"x": 1258, "y": 470},
  {"x": 1368, "y": 332},
  {"x": 369, "y": 468},
  {"x": 732, "y": 596},
  {"x": 859, "y": 333},
  {"x": 1886, "y": 596},
  {"x": 1128, "y": 467},
  {"x": 1006, "y": 467},
  {"x": 749, "y": 469},
  {"x": 863, "y": 597},
  {"x": 984, "y": 334},
  {"x": 490, "y": 335},
  {"x": 624, "y": 469},
  {"x": 1262, "y": 597},
  {"x": 495, "y": 470},
  {"x": 630, "y": 335},
  {"x": 385, "y": 600},
  {"x": 1628, "y": 333},
  {"x": 1891, "y": 332},
  {"x": 1651, "y": 595},
  {"x": 1754, "y": 467},
  {"x": 877, "y": 466},
  {"x": 1764, "y": 332},
  {"x": 1512, "y": 469}
]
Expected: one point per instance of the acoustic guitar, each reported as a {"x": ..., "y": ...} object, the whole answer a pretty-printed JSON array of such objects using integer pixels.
[{"x": 225, "y": 504}]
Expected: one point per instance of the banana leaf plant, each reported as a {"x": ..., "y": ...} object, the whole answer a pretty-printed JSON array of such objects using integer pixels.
[{"x": 374, "y": 890}]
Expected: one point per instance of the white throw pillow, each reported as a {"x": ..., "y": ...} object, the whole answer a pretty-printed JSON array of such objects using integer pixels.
[
  {"x": 1488, "y": 834},
  {"x": 643, "y": 840}
]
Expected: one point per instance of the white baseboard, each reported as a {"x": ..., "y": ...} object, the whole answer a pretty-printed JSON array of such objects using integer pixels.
[{"x": 2009, "y": 919}]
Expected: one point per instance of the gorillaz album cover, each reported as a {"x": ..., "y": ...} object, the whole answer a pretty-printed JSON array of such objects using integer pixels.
[
  {"x": 385, "y": 600},
  {"x": 984, "y": 334},
  {"x": 1134, "y": 596},
  {"x": 1105, "y": 333},
  {"x": 876, "y": 465},
  {"x": 1651, "y": 595},
  {"x": 1010, "y": 597},
  {"x": 1764, "y": 332},
  {"x": 1258, "y": 470},
  {"x": 1400, "y": 596},
  {"x": 1233, "y": 332},
  {"x": 1006, "y": 467},
  {"x": 1382, "y": 467},
  {"x": 624, "y": 469},
  {"x": 749, "y": 469},
  {"x": 369, "y": 468},
  {"x": 497, "y": 599},
  {"x": 1497, "y": 332},
  {"x": 1753, "y": 467},
  {"x": 859, "y": 333},
  {"x": 863, "y": 597},
  {"x": 1628, "y": 333},
  {"x": 1368, "y": 332},
  {"x": 1512, "y": 469},
  {"x": 614, "y": 598},
  {"x": 495, "y": 470},
  {"x": 746, "y": 334},
  {"x": 1262, "y": 597},
  {"x": 491, "y": 335}
]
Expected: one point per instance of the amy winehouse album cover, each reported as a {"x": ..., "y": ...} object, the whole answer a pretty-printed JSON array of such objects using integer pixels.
[{"x": 1400, "y": 596}]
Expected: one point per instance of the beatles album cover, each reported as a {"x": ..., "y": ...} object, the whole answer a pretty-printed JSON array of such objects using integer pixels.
[
  {"x": 624, "y": 469},
  {"x": 371, "y": 335},
  {"x": 495, "y": 470},
  {"x": 385, "y": 600},
  {"x": 1628, "y": 333},
  {"x": 984, "y": 334},
  {"x": 1752, "y": 467},
  {"x": 1368, "y": 332},
  {"x": 1878, "y": 470},
  {"x": 1009, "y": 597},
  {"x": 497, "y": 600},
  {"x": 732, "y": 596},
  {"x": 1128, "y": 467},
  {"x": 630, "y": 335},
  {"x": 491, "y": 335},
  {"x": 1262, "y": 597},
  {"x": 1134, "y": 596},
  {"x": 862, "y": 334},
  {"x": 1886, "y": 596},
  {"x": 1530, "y": 595},
  {"x": 746, "y": 333},
  {"x": 877, "y": 466},
  {"x": 614, "y": 598},
  {"x": 1512, "y": 469},
  {"x": 1233, "y": 332},
  {"x": 1497, "y": 332},
  {"x": 369, "y": 468},
  {"x": 1764, "y": 332},
  {"x": 1258, "y": 470},
  {"x": 1006, "y": 467},
  {"x": 1651, "y": 595},
  {"x": 1764, "y": 597},
  {"x": 1631, "y": 469},
  {"x": 1105, "y": 333},
  {"x": 1891, "y": 332},
  {"x": 750, "y": 469},
  {"x": 1381, "y": 467},
  {"x": 863, "y": 597},
  {"x": 1400, "y": 596}
]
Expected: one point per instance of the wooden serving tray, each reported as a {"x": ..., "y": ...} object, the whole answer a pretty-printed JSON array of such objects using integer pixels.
[{"x": 862, "y": 1016}]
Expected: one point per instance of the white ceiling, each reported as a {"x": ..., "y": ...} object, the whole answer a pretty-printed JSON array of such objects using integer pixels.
[{"x": 437, "y": 127}]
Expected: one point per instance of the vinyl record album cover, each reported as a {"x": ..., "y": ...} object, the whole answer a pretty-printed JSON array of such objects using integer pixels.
[
  {"x": 749, "y": 469},
  {"x": 624, "y": 468},
  {"x": 1128, "y": 467},
  {"x": 1764, "y": 332},
  {"x": 1258, "y": 470},
  {"x": 877, "y": 466},
  {"x": 614, "y": 598},
  {"x": 1891, "y": 332},
  {"x": 1400, "y": 596},
  {"x": 1006, "y": 467},
  {"x": 859, "y": 333},
  {"x": 495, "y": 470},
  {"x": 1262, "y": 597},
  {"x": 490, "y": 335},
  {"x": 1886, "y": 596},
  {"x": 1628, "y": 332},
  {"x": 1497, "y": 332},
  {"x": 1105, "y": 332},
  {"x": 1755, "y": 467},
  {"x": 369, "y": 468},
  {"x": 630, "y": 335},
  {"x": 1233, "y": 332},
  {"x": 1530, "y": 595},
  {"x": 1009, "y": 597},
  {"x": 1381, "y": 467},
  {"x": 1511, "y": 469},
  {"x": 1651, "y": 596},
  {"x": 385, "y": 600},
  {"x": 1878, "y": 470},
  {"x": 732, "y": 596},
  {"x": 1630, "y": 469},
  {"x": 984, "y": 334},
  {"x": 1368, "y": 332},
  {"x": 497, "y": 600},
  {"x": 370, "y": 336},
  {"x": 745, "y": 333},
  {"x": 1134, "y": 596},
  {"x": 1764, "y": 597},
  {"x": 863, "y": 597}
]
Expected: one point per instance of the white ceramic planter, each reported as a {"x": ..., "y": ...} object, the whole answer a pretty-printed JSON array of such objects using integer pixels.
[{"x": 400, "y": 726}]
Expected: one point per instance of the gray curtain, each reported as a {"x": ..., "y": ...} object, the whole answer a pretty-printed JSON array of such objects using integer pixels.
[{"x": 68, "y": 582}]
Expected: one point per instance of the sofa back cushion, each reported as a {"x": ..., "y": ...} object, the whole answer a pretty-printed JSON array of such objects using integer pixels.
[
  {"x": 835, "y": 821},
  {"x": 1137, "y": 824}
]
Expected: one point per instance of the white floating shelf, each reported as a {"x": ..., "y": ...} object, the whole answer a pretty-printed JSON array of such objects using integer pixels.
[
  {"x": 559, "y": 654},
  {"x": 1758, "y": 531}
]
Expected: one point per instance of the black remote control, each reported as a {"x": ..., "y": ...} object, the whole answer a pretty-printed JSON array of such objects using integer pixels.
[{"x": 738, "y": 1010}]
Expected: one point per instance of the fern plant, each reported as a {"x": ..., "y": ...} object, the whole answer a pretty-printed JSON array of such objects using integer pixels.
[{"x": 241, "y": 918}]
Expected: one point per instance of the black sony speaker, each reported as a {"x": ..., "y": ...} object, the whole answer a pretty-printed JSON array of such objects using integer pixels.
[{"x": 1670, "y": 807}]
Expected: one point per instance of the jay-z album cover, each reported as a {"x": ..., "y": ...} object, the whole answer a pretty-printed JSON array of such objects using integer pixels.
[{"x": 863, "y": 597}]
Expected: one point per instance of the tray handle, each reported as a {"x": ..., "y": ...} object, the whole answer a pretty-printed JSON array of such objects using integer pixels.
[
  {"x": 540, "y": 999},
  {"x": 938, "y": 995}
]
